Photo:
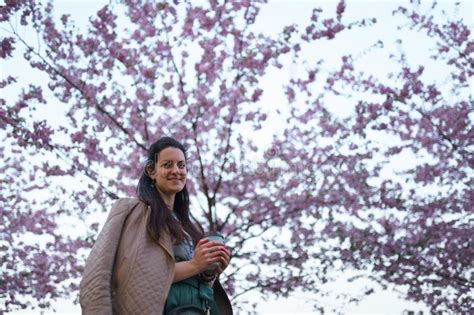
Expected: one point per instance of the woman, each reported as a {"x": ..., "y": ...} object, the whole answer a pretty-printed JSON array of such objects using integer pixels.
[{"x": 149, "y": 257}]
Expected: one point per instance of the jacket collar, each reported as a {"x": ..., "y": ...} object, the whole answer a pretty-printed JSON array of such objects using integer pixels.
[
  {"x": 166, "y": 243},
  {"x": 165, "y": 238}
]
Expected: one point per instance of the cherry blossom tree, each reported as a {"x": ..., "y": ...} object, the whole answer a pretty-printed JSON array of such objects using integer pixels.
[
  {"x": 392, "y": 182},
  {"x": 142, "y": 70},
  {"x": 146, "y": 69}
]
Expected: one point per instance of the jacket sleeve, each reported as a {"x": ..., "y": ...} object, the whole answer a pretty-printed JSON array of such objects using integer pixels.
[{"x": 95, "y": 288}]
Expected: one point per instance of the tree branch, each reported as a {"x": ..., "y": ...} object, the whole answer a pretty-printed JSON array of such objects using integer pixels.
[{"x": 81, "y": 91}]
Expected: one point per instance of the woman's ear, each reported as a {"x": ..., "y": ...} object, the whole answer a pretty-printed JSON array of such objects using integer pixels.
[{"x": 150, "y": 168}]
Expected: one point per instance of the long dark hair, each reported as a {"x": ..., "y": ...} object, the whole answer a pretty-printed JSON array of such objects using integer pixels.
[{"x": 160, "y": 216}]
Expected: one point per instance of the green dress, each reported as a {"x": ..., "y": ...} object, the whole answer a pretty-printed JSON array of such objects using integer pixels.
[{"x": 189, "y": 291}]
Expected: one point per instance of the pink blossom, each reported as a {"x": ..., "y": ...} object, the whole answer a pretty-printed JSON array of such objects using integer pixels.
[
  {"x": 77, "y": 137},
  {"x": 341, "y": 7},
  {"x": 6, "y": 47},
  {"x": 256, "y": 95}
]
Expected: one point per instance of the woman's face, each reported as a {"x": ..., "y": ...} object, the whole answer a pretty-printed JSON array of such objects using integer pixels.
[{"x": 170, "y": 171}]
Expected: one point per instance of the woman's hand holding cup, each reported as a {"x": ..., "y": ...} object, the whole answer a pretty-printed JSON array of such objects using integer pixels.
[{"x": 210, "y": 256}]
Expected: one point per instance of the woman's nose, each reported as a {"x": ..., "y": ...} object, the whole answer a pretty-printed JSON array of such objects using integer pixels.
[{"x": 175, "y": 168}]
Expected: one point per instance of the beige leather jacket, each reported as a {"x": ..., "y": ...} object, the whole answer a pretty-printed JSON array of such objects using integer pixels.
[{"x": 127, "y": 272}]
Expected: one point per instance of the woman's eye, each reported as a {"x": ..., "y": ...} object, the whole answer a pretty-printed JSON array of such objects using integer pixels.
[{"x": 182, "y": 165}]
